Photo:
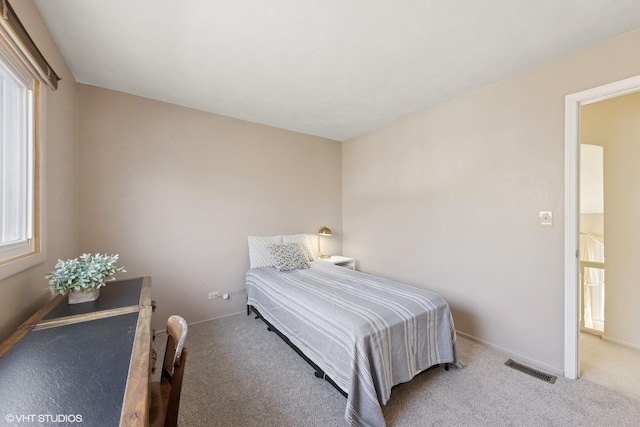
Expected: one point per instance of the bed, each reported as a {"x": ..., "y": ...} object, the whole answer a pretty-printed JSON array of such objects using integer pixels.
[{"x": 364, "y": 333}]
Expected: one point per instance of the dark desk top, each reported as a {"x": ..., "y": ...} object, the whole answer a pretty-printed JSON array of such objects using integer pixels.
[
  {"x": 77, "y": 369},
  {"x": 90, "y": 360},
  {"x": 122, "y": 293}
]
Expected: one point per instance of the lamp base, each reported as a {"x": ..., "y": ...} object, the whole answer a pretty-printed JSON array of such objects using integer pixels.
[{"x": 324, "y": 256}]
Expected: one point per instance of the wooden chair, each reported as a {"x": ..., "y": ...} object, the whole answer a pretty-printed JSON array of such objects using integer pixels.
[{"x": 165, "y": 395}]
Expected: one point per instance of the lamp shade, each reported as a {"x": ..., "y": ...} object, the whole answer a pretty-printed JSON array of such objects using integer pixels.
[{"x": 324, "y": 231}]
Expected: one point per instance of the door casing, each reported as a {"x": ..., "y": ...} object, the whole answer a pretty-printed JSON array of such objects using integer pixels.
[{"x": 573, "y": 103}]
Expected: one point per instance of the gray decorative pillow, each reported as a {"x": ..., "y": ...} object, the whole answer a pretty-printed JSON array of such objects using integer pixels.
[
  {"x": 289, "y": 256},
  {"x": 300, "y": 238}
]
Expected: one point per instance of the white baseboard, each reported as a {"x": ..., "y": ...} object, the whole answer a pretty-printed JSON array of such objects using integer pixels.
[
  {"x": 164, "y": 331},
  {"x": 219, "y": 317},
  {"x": 619, "y": 342},
  {"x": 517, "y": 357}
]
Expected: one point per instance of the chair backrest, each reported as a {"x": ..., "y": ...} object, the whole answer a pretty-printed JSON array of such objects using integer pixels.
[
  {"x": 176, "y": 336},
  {"x": 175, "y": 358},
  {"x": 171, "y": 417}
]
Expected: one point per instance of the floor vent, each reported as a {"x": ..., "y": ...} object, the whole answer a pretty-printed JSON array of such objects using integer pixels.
[{"x": 530, "y": 371}]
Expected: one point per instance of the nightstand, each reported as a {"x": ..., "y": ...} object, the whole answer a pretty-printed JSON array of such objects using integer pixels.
[{"x": 341, "y": 261}]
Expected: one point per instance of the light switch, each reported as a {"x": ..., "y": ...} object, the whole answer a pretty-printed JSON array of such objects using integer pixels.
[{"x": 546, "y": 218}]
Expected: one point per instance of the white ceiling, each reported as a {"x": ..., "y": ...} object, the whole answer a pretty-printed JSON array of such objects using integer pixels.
[{"x": 332, "y": 68}]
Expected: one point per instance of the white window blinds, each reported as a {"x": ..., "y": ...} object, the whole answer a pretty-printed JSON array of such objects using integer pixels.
[{"x": 16, "y": 161}]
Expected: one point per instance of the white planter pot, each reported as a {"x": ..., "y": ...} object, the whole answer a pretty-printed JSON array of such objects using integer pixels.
[{"x": 77, "y": 297}]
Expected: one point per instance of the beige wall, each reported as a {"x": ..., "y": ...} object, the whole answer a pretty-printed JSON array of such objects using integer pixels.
[
  {"x": 592, "y": 223},
  {"x": 177, "y": 191},
  {"x": 615, "y": 124},
  {"x": 457, "y": 189},
  {"x": 24, "y": 293},
  {"x": 591, "y": 186}
]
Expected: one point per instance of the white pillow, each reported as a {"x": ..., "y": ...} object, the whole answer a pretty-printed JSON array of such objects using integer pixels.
[
  {"x": 300, "y": 238},
  {"x": 259, "y": 255},
  {"x": 289, "y": 256}
]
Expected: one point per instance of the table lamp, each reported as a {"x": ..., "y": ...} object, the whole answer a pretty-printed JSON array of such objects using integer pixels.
[{"x": 324, "y": 231}]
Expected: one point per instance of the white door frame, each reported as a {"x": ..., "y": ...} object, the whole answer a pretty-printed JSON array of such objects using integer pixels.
[{"x": 572, "y": 211}]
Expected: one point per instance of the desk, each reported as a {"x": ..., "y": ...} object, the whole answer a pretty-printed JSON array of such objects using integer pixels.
[{"x": 84, "y": 364}]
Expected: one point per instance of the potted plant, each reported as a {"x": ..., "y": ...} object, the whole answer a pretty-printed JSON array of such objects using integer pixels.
[{"x": 82, "y": 278}]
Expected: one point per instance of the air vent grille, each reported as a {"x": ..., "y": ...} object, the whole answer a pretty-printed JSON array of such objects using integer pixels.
[{"x": 551, "y": 379}]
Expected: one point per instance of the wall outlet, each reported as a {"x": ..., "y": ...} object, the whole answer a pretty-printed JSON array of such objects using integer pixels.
[{"x": 214, "y": 295}]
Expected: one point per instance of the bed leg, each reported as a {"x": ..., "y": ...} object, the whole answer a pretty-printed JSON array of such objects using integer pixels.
[
  {"x": 319, "y": 374},
  {"x": 446, "y": 367},
  {"x": 250, "y": 308}
]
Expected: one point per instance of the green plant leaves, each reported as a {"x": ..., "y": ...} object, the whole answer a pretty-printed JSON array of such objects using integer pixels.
[{"x": 87, "y": 272}]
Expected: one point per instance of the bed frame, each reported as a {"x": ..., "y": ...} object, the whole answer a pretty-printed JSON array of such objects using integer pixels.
[{"x": 319, "y": 373}]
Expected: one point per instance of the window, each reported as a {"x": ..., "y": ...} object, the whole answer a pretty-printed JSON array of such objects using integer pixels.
[
  {"x": 24, "y": 72},
  {"x": 18, "y": 156}
]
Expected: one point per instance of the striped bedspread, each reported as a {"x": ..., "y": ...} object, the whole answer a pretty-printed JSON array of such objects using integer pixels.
[{"x": 367, "y": 333}]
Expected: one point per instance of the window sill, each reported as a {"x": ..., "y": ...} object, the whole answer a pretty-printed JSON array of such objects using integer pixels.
[{"x": 14, "y": 267}]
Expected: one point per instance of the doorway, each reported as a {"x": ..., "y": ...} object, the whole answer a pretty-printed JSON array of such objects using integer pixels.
[
  {"x": 572, "y": 168},
  {"x": 592, "y": 237}
]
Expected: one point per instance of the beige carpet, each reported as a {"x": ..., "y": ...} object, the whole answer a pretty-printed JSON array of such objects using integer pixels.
[
  {"x": 239, "y": 374},
  {"x": 610, "y": 365}
]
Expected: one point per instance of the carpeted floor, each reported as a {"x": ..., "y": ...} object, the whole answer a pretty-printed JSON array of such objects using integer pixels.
[
  {"x": 239, "y": 374},
  {"x": 610, "y": 365}
]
